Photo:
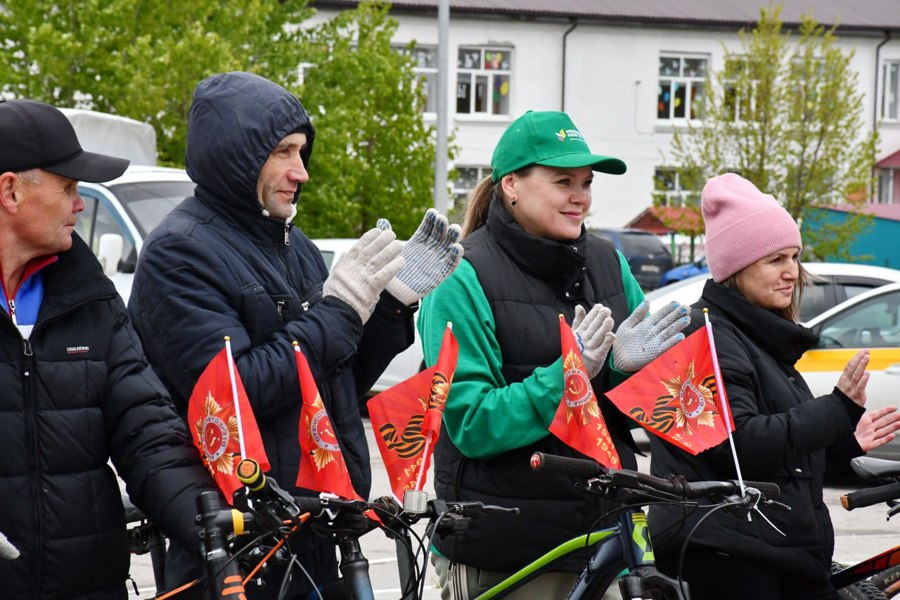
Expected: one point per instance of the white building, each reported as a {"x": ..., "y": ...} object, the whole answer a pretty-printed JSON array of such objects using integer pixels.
[{"x": 625, "y": 72}]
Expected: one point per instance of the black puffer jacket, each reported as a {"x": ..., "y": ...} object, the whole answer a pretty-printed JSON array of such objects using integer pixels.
[
  {"x": 783, "y": 435},
  {"x": 216, "y": 267},
  {"x": 77, "y": 394}
]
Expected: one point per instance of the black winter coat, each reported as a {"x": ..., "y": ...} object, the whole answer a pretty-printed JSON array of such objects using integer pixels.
[
  {"x": 783, "y": 435},
  {"x": 217, "y": 267},
  {"x": 76, "y": 394}
]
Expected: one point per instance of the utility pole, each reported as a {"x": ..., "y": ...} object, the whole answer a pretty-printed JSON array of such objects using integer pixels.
[{"x": 440, "y": 158}]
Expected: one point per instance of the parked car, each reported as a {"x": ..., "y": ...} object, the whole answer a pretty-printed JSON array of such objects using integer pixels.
[
  {"x": 407, "y": 363},
  {"x": 835, "y": 282},
  {"x": 120, "y": 213},
  {"x": 698, "y": 267},
  {"x": 647, "y": 256},
  {"x": 868, "y": 320}
]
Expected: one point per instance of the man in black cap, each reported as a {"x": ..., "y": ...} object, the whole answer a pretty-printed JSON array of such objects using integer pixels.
[{"x": 77, "y": 390}]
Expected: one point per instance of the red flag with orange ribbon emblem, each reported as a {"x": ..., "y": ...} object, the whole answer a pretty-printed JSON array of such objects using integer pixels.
[
  {"x": 578, "y": 421},
  {"x": 676, "y": 396},
  {"x": 322, "y": 466},
  {"x": 222, "y": 423},
  {"x": 407, "y": 419}
]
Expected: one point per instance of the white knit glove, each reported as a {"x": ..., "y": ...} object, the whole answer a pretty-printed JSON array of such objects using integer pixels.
[
  {"x": 639, "y": 340},
  {"x": 594, "y": 336},
  {"x": 362, "y": 273},
  {"x": 431, "y": 255}
]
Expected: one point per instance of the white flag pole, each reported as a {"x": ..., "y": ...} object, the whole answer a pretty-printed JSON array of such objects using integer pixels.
[
  {"x": 726, "y": 410},
  {"x": 234, "y": 396},
  {"x": 420, "y": 480}
]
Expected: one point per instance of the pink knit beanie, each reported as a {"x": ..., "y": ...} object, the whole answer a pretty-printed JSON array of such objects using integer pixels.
[{"x": 743, "y": 225}]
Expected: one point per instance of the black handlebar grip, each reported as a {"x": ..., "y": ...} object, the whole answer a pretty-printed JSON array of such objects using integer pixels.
[
  {"x": 870, "y": 496},
  {"x": 578, "y": 467}
]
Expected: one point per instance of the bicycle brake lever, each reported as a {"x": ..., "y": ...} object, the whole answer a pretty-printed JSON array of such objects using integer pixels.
[{"x": 893, "y": 510}]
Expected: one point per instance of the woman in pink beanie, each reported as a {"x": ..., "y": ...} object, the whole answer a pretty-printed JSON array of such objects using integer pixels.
[{"x": 783, "y": 434}]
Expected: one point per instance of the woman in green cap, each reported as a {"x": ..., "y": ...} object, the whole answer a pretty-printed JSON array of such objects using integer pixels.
[{"x": 528, "y": 259}]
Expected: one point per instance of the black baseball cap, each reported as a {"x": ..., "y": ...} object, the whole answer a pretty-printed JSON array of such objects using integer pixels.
[{"x": 39, "y": 136}]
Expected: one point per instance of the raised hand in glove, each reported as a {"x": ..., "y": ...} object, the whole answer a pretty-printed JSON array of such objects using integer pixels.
[
  {"x": 431, "y": 255},
  {"x": 594, "y": 336},
  {"x": 640, "y": 339},
  {"x": 362, "y": 273}
]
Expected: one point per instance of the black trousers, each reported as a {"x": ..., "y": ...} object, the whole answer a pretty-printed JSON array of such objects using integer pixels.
[{"x": 716, "y": 576}]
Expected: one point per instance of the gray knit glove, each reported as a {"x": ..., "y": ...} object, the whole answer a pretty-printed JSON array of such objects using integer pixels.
[
  {"x": 594, "y": 336},
  {"x": 7, "y": 550},
  {"x": 362, "y": 272},
  {"x": 431, "y": 254},
  {"x": 639, "y": 340}
]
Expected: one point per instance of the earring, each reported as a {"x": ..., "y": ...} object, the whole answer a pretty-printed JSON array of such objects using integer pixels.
[{"x": 513, "y": 202}]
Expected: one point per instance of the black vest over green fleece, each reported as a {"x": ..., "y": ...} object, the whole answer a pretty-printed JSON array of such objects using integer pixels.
[{"x": 528, "y": 282}]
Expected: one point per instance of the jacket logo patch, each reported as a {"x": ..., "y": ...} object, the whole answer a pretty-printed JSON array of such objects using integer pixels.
[{"x": 77, "y": 349}]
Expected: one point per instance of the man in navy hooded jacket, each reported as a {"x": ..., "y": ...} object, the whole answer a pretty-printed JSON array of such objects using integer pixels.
[{"x": 229, "y": 262}]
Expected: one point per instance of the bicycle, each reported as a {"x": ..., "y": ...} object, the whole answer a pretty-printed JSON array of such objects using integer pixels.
[
  {"x": 882, "y": 570},
  {"x": 626, "y": 546},
  {"x": 268, "y": 510}
]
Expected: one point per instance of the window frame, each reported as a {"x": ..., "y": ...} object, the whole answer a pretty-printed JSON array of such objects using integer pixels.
[
  {"x": 490, "y": 75},
  {"x": 460, "y": 194},
  {"x": 427, "y": 75},
  {"x": 677, "y": 195},
  {"x": 888, "y": 87},
  {"x": 690, "y": 83}
]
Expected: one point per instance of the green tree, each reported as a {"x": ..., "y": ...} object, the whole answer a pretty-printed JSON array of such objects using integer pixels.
[
  {"x": 142, "y": 58},
  {"x": 785, "y": 113},
  {"x": 373, "y": 155}
]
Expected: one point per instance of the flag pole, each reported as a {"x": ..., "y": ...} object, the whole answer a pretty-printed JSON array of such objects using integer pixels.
[
  {"x": 420, "y": 480},
  {"x": 724, "y": 401},
  {"x": 234, "y": 396}
]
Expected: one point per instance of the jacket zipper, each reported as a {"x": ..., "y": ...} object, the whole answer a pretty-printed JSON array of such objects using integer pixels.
[
  {"x": 33, "y": 462},
  {"x": 32, "y": 437}
]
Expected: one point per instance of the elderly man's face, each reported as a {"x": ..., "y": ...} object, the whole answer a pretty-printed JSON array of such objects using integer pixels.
[
  {"x": 281, "y": 175},
  {"x": 47, "y": 211}
]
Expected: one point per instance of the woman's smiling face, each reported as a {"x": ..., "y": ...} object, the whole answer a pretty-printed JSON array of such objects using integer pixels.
[{"x": 551, "y": 202}]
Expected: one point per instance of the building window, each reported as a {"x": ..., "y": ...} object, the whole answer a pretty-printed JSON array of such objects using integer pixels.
[
  {"x": 425, "y": 68},
  {"x": 303, "y": 70},
  {"x": 890, "y": 93},
  {"x": 483, "y": 81},
  {"x": 673, "y": 186},
  {"x": 467, "y": 179},
  {"x": 682, "y": 79},
  {"x": 740, "y": 89},
  {"x": 888, "y": 186}
]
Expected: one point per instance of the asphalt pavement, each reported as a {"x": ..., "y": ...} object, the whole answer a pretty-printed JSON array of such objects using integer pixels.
[{"x": 858, "y": 534}]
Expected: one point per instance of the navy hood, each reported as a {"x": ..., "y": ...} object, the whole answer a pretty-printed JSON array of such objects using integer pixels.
[{"x": 235, "y": 121}]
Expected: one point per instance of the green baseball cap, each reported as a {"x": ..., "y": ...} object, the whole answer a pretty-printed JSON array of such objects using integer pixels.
[{"x": 547, "y": 138}]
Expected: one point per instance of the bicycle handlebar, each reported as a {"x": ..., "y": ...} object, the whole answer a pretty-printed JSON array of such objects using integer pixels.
[
  {"x": 633, "y": 480},
  {"x": 870, "y": 496}
]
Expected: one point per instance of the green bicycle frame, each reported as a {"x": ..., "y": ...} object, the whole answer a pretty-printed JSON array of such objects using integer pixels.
[{"x": 623, "y": 546}]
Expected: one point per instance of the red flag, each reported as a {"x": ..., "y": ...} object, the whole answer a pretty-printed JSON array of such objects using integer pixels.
[
  {"x": 578, "y": 421},
  {"x": 407, "y": 419},
  {"x": 322, "y": 466},
  {"x": 224, "y": 430},
  {"x": 676, "y": 396}
]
